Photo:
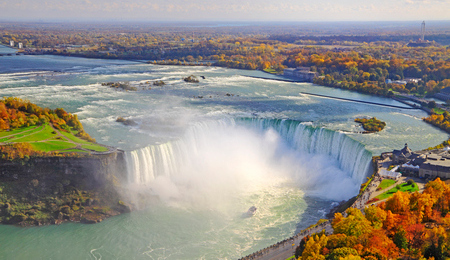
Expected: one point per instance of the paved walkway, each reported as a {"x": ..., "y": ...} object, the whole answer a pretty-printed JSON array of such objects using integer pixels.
[{"x": 286, "y": 248}]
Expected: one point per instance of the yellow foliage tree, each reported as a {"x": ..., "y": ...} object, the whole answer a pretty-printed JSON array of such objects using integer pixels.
[{"x": 313, "y": 248}]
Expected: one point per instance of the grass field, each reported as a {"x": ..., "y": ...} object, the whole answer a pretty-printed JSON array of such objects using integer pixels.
[
  {"x": 386, "y": 183},
  {"x": 271, "y": 71},
  {"x": 75, "y": 151},
  {"x": 13, "y": 135},
  {"x": 51, "y": 146},
  {"x": 16, "y": 131},
  {"x": 405, "y": 187},
  {"x": 95, "y": 147},
  {"x": 438, "y": 111},
  {"x": 42, "y": 135},
  {"x": 74, "y": 138},
  {"x": 45, "y": 138}
]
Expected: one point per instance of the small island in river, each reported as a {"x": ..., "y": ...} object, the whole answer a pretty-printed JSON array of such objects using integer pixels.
[{"x": 371, "y": 125}]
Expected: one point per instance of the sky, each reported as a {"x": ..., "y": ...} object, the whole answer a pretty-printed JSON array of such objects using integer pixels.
[{"x": 224, "y": 10}]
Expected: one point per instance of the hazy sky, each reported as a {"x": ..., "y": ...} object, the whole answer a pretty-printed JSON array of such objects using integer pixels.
[{"x": 226, "y": 10}]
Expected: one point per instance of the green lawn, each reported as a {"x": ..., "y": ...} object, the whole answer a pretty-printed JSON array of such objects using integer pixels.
[
  {"x": 45, "y": 134},
  {"x": 438, "y": 111},
  {"x": 16, "y": 131},
  {"x": 386, "y": 183},
  {"x": 50, "y": 146},
  {"x": 20, "y": 133},
  {"x": 74, "y": 151},
  {"x": 74, "y": 138},
  {"x": 45, "y": 138},
  {"x": 405, "y": 187},
  {"x": 95, "y": 147},
  {"x": 270, "y": 70}
]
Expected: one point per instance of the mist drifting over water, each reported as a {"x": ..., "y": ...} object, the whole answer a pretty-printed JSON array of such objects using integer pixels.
[
  {"x": 201, "y": 163},
  {"x": 215, "y": 161}
]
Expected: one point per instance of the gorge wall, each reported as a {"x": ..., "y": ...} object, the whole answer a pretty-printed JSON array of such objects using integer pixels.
[{"x": 90, "y": 172}]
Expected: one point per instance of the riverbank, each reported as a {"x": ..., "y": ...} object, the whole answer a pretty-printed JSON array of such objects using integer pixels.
[{"x": 52, "y": 190}]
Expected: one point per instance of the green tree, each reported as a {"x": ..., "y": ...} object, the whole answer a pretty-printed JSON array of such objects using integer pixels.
[{"x": 355, "y": 224}]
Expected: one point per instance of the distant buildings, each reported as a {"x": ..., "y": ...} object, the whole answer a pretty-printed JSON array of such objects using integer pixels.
[
  {"x": 444, "y": 94},
  {"x": 421, "y": 41},
  {"x": 11, "y": 43},
  {"x": 300, "y": 73},
  {"x": 404, "y": 81},
  {"x": 427, "y": 164},
  {"x": 20, "y": 45}
]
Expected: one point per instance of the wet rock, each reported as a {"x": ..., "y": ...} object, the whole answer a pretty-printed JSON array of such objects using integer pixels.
[
  {"x": 88, "y": 202},
  {"x": 88, "y": 220},
  {"x": 18, "y": 218},
  {"x": 122, "y": 207},
  {"x": 66, "y": 210}
]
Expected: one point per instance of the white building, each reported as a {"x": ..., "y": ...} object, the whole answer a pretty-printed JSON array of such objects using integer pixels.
[
  {"x": 392, "y": 174},
  {"x": 20, "y": 45},
  {"x": 11, "y": 43}
]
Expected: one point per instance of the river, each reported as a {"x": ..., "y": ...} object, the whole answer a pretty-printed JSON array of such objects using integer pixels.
[{"x": 207, "y": 152}]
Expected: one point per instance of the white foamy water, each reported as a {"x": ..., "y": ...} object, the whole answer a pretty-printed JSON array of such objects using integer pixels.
[{"x": 195, "y": 165}]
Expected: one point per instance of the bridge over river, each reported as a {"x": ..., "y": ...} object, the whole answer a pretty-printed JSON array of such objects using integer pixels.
[
  {"x": 361, "y": 101},
  {"x": 409, "y": 106}
]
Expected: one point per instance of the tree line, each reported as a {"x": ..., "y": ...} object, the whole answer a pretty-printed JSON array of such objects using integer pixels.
[{"x": 406, "y": 226}]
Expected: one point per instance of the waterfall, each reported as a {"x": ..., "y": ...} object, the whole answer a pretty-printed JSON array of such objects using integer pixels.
[
  {"x": 351, "y": 154},
  {"x": 170, "y": 159}
]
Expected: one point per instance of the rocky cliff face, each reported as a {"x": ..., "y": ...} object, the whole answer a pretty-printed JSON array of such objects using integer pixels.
[
  {"x": 91, "y": 171},
  {"x": 49, "y": 190}
]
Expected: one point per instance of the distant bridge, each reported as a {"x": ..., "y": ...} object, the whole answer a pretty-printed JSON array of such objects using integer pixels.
[
  {"x": 360, "y": 101},
  {"x": 338, "y": 98}
]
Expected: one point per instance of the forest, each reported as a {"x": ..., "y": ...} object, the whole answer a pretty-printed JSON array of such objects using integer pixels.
[
  {"x": 406, "y": 226},
  {"x": 369, "y": 59}
]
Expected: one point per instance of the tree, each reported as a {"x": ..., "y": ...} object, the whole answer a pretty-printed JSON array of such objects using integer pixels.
[
  {"x": 355, "y": 224},
  {"x": 400, "y": 239},
  {"x": 341, "y": 252},
  {"x": 398, "y": 203},
  {"x": 376, "y": 216},
  {"x": 415, "y": 234},
  {"x": 432, "y": 104},
  {"x": 313, "y": 248}
]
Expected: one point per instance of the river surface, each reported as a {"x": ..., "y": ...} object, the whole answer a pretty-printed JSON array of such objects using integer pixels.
[{"x": 208, "y": 152}]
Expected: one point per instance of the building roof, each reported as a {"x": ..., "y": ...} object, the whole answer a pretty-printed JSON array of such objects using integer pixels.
[
  {"x": 391, "y": 174},
  {"x": 405, "y": 152}
]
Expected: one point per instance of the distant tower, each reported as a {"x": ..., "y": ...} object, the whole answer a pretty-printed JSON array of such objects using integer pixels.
[{"x": 423, "y": 31}]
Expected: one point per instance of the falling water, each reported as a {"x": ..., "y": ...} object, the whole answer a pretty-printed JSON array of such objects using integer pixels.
[{"x": 255, "y": 149}]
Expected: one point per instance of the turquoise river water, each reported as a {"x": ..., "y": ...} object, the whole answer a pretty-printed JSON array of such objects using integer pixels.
[{"x": 246, "y": 142}]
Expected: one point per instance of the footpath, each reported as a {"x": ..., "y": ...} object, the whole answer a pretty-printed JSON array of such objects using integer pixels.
[{"x": 286, "y": 248}]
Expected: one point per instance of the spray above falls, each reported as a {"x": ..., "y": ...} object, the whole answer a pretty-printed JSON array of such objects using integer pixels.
[{"x": 231, "y": 156}]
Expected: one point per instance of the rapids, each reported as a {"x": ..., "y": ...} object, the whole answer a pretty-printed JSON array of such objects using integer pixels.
[{"x": 195, "y": 165}]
